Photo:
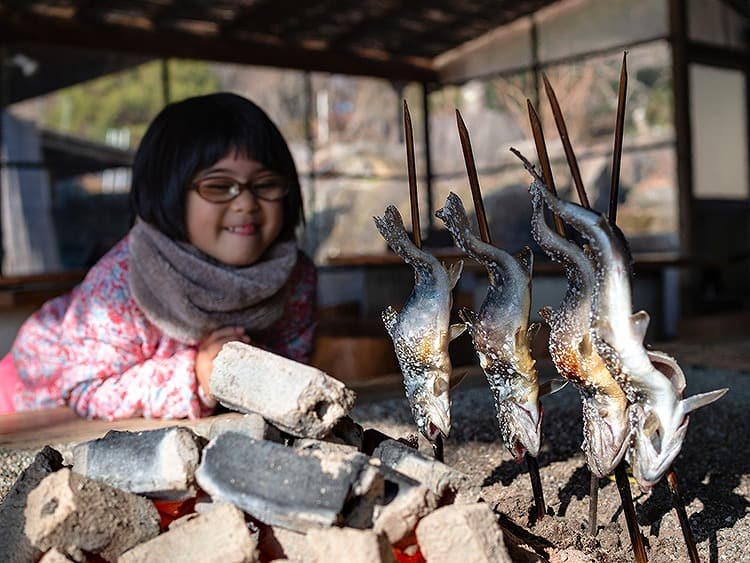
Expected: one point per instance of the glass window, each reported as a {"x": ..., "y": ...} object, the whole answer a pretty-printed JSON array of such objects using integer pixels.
[{"x": 718, "y": 121}]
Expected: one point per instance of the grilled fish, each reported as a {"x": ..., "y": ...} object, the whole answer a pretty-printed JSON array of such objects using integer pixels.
[
  {"x": 421, "y": 332},
  {"x": 500, "y": 333},
  {"x": 652, "y": 381},
  {"x": 605, "y": 407}
]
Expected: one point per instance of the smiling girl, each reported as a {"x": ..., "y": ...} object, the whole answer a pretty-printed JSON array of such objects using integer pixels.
[{"x": 211, "y": 258}]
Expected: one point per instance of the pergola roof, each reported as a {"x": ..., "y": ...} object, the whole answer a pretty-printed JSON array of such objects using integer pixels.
[{"x": 394, "y": 39}]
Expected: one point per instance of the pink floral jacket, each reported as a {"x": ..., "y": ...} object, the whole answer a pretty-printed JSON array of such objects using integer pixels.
[{"x": 95, "y": 350}]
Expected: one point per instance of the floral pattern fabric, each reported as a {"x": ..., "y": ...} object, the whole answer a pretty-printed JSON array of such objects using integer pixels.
[{"x": 95, "y": 350}]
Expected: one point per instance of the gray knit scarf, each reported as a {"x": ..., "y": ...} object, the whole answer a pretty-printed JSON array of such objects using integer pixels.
[{"x": 187, "y": 295}]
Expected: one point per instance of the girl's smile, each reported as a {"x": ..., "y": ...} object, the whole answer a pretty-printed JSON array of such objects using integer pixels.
[{"x": 239, "y": 231}]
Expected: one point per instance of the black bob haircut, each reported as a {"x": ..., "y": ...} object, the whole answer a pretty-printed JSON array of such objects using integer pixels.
[{"x": 191, "y": 135}]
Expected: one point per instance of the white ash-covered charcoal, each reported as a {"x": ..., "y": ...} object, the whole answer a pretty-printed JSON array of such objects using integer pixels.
[
  {"x": 158, "y": 463},
  {"x": 350, "y": 545},
  {"x": 251, "y": 425},
  {"x": 82, "y": 517},
  {"x": 406, "y": 501},
  {"x": 447, "y": 483},
  {"x": 54, "y": 556},
  {"x": 220, "y": 535},
  {"x": 311, "y": 444},
  {"x": 14, "y": 545},
  {"x": 279, "y": 544},
  {"x": 299, "y": 399},
  {"x": 468, "y": 533},
  {"x": 346, "y": 431},
  {"x": 284, "y": 487}
]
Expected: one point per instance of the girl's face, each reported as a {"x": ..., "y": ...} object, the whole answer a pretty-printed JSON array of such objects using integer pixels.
[{"x": 237, "y": 232}]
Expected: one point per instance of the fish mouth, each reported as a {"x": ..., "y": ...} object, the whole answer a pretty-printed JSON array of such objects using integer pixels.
[
  {"x": 603, "y": 446},
  {"x": 605, "y": 438},
  {"x": 651, "y": 456},
  {"x": 433, "y": 417},
  {"x": 520, "y": 428}
]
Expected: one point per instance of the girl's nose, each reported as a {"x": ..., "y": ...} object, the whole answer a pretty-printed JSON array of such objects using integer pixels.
[{"x": 245, "y": 201}]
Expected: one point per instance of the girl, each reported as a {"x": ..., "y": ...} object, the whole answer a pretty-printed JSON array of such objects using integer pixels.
[{"x": 211, "y": 258}]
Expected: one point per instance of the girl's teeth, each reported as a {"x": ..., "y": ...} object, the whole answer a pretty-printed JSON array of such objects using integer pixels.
[{"x": 242, "y": 230}]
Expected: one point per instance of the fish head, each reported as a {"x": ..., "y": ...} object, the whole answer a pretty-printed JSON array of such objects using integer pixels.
[
  {"x": 606, "y": 435},
  {"x": 432, "y": 413},
  {"x": 655, "y": 446},
  {"x": 520, "y": 424}
]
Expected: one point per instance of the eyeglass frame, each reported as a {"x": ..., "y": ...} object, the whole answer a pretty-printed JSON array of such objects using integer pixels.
[{"x": 237, "y": 188}]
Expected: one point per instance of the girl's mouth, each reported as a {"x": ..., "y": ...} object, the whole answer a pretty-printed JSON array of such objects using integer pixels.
[{"x": 249, "y": 229}]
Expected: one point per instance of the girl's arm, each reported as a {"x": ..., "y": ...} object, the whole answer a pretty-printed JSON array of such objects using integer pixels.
[{"x": 103, "y": 357}]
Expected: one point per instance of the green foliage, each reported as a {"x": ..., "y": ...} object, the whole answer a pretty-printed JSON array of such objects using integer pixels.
[{"x": 130, "y": 98}]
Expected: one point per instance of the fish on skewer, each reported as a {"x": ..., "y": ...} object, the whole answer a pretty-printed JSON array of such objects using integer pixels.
[
  {"x": 653, "y": 381},
  {"x": 606, "y": 430},
  {"x": 421, "y": 332},
  {"x": 500, "y": 332}
]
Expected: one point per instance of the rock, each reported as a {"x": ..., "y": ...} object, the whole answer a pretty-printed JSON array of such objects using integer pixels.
[
  {"x": 447, "y": 483},
  {"x": 14, "y": 545},
  {"x": 299, "y": 399},
  {"x": 159, "y": 463},
  {"x": 284, "y": 487},
  {"x": 468, "y": 533},
  {"x": 220, "y": 536},
  {"x": 350, "y": 545},
  {"x": 81, "y": 517}
]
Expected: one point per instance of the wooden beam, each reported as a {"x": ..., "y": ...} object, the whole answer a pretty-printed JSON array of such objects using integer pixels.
[{"x": 45, "y": 30}]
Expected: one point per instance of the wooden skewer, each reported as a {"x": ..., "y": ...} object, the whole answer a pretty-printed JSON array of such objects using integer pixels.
[
  {"x": 623, "y": 487},
  {"x": 412, "y": 169},
  {"x": 541, "y": 151},
  {"x": 471, "y": 170},
  {"x": 569, "y": 154},
  {"x": 617, "y": 150},
  {"x": 679, "y": 507},
  {"x": 476, "y": 193},
  {"x": 437, "y": 445}
]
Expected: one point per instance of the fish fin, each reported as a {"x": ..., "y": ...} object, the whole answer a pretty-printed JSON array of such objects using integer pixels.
[
  {"x": 454, "y": 272},
  {"x": 546, "y": 314},
  {"x": 532, "y": 331},
  {"x": 552, "y": 386},
  {"x": 639, "y": 321},
  {"x": 469, "y": 317},
  {"x": 526, "y": 258},
  {"x": 585, "y": 346},
  {"x": 440, "y": 386},
  {"x": 456, "y": 380},
  {"x": 701, "y": 400},
  {"x": 456, "y": 330},
  {"x": 390, "y": 319},
  {"x": 523, "y": 338},
  {"x": 651, "y": 424},
  {"x": 669, "y": 367}
]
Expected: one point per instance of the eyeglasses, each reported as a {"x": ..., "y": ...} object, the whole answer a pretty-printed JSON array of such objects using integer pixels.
[{"x": 224, "y": 190}]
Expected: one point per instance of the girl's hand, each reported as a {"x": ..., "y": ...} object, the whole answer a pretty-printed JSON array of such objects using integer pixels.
[{"x": 209, "y": 347}]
